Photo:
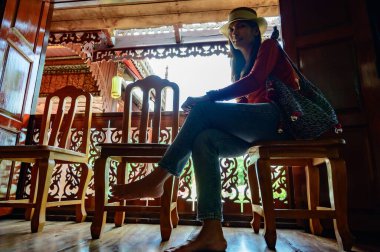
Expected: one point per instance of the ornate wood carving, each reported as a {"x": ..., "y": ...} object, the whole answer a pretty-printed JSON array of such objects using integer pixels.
[
  {"x": 103, "y": 73},
  {"x": 235, "y": 193},
  {"x": 81, "y": 42},
  {"x": 59, "y": 69},
  {"x": 78, "y": 37},
  {"x": 164, "y": 51},
  {"x": 58, "y": 76}
]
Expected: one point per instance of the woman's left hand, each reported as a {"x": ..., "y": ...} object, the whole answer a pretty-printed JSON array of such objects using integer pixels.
[{"x": 192, "y": 101}]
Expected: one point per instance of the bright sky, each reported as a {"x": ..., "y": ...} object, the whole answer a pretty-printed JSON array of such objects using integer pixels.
[{"x": 195, "y": 75}]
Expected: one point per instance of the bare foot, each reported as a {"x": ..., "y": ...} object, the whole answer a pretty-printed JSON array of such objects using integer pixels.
[
  {"x": 151, "y": 186},
  {"x": 210, "y": 238},
  {"x": 193, "y": 235}
]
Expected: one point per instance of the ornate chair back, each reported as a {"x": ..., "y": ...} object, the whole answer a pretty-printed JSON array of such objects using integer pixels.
[
  {"x": 69, "y": 98},
  {"x": 153, "y": 88}
]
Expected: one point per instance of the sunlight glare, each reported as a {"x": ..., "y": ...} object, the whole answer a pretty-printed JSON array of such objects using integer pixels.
[{"x": 195, "y": 75}]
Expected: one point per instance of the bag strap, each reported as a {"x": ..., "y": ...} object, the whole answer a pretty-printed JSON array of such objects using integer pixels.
[{"x": 274, "y": 36}]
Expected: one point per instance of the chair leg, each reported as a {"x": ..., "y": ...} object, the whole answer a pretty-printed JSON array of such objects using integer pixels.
[
  {"x": 165, "y": 213},
  {"x": 174, "y": 211},
  {"x": 255, "y": 197},
  {"x": 337, "y": 177},
  {"x": 121, "y": 179},
  {"x": 174, "y": 216},
  {"x": 312, "y": 184},
  {"x": 45, "y": 171},
  {"x": 32, "y": 197},
  {"x": 101, "y": 182},
  {"x": 80, "y": 210},
  {"x": 265, "y": 182}
]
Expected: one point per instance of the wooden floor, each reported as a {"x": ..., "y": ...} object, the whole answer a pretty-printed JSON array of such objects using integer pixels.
[{"x": 70, "y": 236}]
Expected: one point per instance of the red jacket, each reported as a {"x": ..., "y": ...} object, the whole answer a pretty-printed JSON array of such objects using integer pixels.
[{"x": 270, "y": 61}]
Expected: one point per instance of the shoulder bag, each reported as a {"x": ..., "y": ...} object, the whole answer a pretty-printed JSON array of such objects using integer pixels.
[{"x": 306, "y": 113}]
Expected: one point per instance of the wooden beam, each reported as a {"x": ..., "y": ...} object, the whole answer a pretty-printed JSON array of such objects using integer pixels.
[
  {"x": 131, "y": 9},
  {"x": 177, "y": 33},
  {"x": 148, "y": 14}
]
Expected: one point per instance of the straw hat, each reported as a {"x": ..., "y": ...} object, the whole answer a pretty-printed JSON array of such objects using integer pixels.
[{"x": 244, "y": 13}]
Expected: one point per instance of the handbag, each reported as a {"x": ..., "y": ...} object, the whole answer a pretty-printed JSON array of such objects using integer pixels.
[{"x": 305, "y": 112}]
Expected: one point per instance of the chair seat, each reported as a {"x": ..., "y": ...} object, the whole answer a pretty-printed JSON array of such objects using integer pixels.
[
  {"x": 35, "y": 152},
  {"x": 131, "y": 145},
  {"x": 126, "y": 150},
  {"x": 297, "y": 149},
  {"x": 300, "y": 143}
]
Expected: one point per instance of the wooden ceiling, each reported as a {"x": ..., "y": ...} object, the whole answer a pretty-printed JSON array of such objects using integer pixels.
[{"x": 71, "y": 15}]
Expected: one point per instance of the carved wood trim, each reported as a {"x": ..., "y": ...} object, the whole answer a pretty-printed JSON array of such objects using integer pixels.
[
  {"x": 106, "y": 128},
  {"x": 81, "y": 42},
  {"x": 164, "y": 51}
]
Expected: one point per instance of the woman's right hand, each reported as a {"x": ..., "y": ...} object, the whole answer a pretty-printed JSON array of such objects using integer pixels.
[{"x": 192, "y": 101}]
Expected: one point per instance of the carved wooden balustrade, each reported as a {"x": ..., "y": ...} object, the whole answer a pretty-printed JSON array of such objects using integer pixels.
[{"x": 107, "y": 128}]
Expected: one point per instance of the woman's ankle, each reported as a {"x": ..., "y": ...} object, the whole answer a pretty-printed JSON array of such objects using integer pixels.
[
  {"x": 214, "y": 226},
  {"x": 160, "y": 175}
]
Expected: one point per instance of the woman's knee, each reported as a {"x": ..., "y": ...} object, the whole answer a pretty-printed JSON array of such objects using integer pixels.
[
  {"x": 200, "y": 107},
  {"x": 205, "y": 141}
]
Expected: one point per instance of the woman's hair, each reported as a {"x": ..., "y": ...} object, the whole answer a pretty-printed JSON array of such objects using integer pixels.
[{"x": 239, "y": 68}]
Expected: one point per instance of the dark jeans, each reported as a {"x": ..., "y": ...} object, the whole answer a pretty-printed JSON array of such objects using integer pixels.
[{"x": 216, "y": 130}]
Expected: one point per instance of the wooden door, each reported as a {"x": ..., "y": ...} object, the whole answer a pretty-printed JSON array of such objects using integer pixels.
[
  {"x": 332, "y": 44},
  {"x": 22, "y": 36}
]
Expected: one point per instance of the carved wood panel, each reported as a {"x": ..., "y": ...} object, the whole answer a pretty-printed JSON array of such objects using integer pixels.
[
  {"x": 107, "y": 129},
  {"x": 56, "y": 77}
]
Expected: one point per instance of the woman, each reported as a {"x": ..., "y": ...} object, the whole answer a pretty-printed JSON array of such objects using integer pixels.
[{"x": 213, "y": 129}]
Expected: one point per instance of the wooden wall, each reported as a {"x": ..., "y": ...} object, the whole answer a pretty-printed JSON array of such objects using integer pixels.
[
  {"x": 22, "y": 44},
  {"x": 332, "y": 43}
]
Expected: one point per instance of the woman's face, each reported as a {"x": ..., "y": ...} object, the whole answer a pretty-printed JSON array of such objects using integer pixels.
[{"x": 242, "y": 34}]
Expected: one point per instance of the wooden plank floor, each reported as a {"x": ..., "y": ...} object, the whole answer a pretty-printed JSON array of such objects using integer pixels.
[{"x": 15, "y": 236}]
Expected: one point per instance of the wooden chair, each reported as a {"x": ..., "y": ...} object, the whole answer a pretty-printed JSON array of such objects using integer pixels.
[
  {"x": 141, "y": 152},
  {"x": 54, "y": 148},
  {"x": 308, "y": 154}
]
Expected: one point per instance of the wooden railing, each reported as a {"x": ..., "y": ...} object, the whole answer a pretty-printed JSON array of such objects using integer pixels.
[{"x": 106, "y": 127}]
